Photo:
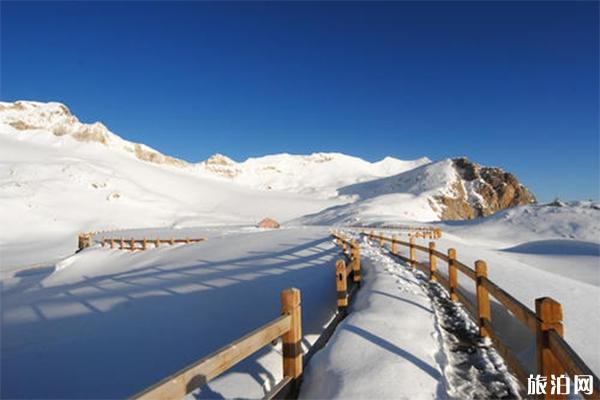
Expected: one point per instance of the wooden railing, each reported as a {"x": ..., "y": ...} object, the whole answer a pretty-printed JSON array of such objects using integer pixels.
[
  {"x": 288, "y": 325},
  {"x": 554, "y": 356},
  {"x": 343, "y": 270},
  {"x": 85, "y": 240},
  {"x": 131, "y": 244},
  {"x": 425, "y": 232},
  {"x": 194, "y": 376}
]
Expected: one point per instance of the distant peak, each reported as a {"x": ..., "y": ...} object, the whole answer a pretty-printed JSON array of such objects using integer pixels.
[
  {"x": 219, "y": 159},
  {"x": 56, "y": 119}
]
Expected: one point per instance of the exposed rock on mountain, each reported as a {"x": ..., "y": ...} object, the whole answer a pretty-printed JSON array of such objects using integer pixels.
[
  {"x": 451, "y": 189},
  {"x": 56, "y": 118},
  {"x": 221, "y": 165},
  {"x": 390, "y": 189},
  {"x": 482, "y": 191}
]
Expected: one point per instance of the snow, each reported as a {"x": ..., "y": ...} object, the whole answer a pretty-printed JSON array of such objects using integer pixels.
[
  {"x": 134, "y": 318},
  {"x": 61, "y": 187},
  {"x": 108, "y": 323},
  {"x": 418, "y": 355},
  {"x": 579, "y": 220},
  {"x": 64, "y": 177},
  {"x": 408, "y": 196},
  {"x": 566, "y": 270},
  {"x": 319, "y": 174}
]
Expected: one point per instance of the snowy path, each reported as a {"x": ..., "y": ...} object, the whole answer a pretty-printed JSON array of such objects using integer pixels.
[
  {"x": 404, "y": 339},
  {"x": 111, "y": 322}
]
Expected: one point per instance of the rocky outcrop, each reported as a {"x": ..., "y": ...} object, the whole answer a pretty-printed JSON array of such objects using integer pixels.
[
  {"x": 482, "y": 191},
  {"x": 268, "y": 223},
  {"x": 221, "y": 165},
  {"x": 57, "y": 119}
]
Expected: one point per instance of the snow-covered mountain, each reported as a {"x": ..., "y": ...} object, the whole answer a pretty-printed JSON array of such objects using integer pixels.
[
  {"x": 321, "y": 174},
  {"x": 55, "y": 118},
  {"x": 318, "y": 174},
  {"x": 451, "y": 189},
  {"x": 61, "y": 176}
]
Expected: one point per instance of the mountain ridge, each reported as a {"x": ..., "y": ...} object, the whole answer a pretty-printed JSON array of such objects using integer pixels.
[{"x": 418, "y": 190}]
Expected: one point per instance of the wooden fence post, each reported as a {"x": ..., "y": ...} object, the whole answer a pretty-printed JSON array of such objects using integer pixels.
[
  {"x": 432, "y": 262},
  {"x": 381, "y": 239},
  {"x": 412, "y": 253},
  {"x": 394, "y": 244},
  {"x": 132, "y": 244},
  {"x": 85, "y": 240},
  {"x": 112, "y": 243},
  {"x": 157, "y": 242},
  {"x": 341, "y": 285},
  {"x": 144, "y": 244},
  {"x": 292, "y": 340},
  {"x": 355, "y": 261},
  {"x": 172, "y": 242},
  {"x": 549, "y": 315},
  {"x": 122, "y": 244},
  {"x": 452, "y": 274},
  {"x": 484, "y": 312}
]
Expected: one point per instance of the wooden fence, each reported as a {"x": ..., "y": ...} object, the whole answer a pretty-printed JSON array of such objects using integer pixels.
[
  {"x": 85, "y": 240},
  {"x": 288, "y": 326},
  {"x": 131, "y": 244},
  {"x": 425, "y": 232},
  {"x": 554, "y": 356},
  {"x": 344, "y": 271}
]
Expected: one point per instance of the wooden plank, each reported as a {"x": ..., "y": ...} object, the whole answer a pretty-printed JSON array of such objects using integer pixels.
[
  {"x": 341, "y": 284},
  {"x": 549, "y": 314},
  {"x": 452, "y": 274},
  {"x": 345, "y": 243},
  {"x": 355, "y": 262},
  {"x": 199, "y": 373},
  {"x": 572, "y": 363},
  {"x": 441, "y": 255},
  {"x": 484, "y": 311},
  {"x": 349, "y": 267},
  {"x": 422, "y": 248},
  {"x": 403, "y": 243},
  {"x": 464, "y": 269},
  {"x": 432, "y": 261},
  {"x": 518, "y": 309},
  {"x": 292, "y": 339},
  {"x": 512, "y": 361}
]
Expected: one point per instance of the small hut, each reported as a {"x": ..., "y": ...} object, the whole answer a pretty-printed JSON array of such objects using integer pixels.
[{"x": 268, "y": 223}]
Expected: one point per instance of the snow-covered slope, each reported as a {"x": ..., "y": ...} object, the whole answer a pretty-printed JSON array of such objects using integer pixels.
[
  {"x": 432, "y": 192},
  {"x": 579, "y": 220},
  {"x": 55, "y": 118},
  {"x": 55, "y": 185},
  {"x": 62, "y": 176},
  {"x": 319, "y": 173}
]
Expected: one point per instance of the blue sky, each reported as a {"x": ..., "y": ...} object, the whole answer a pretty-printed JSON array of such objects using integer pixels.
[{"x": 510, "y": 84}]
